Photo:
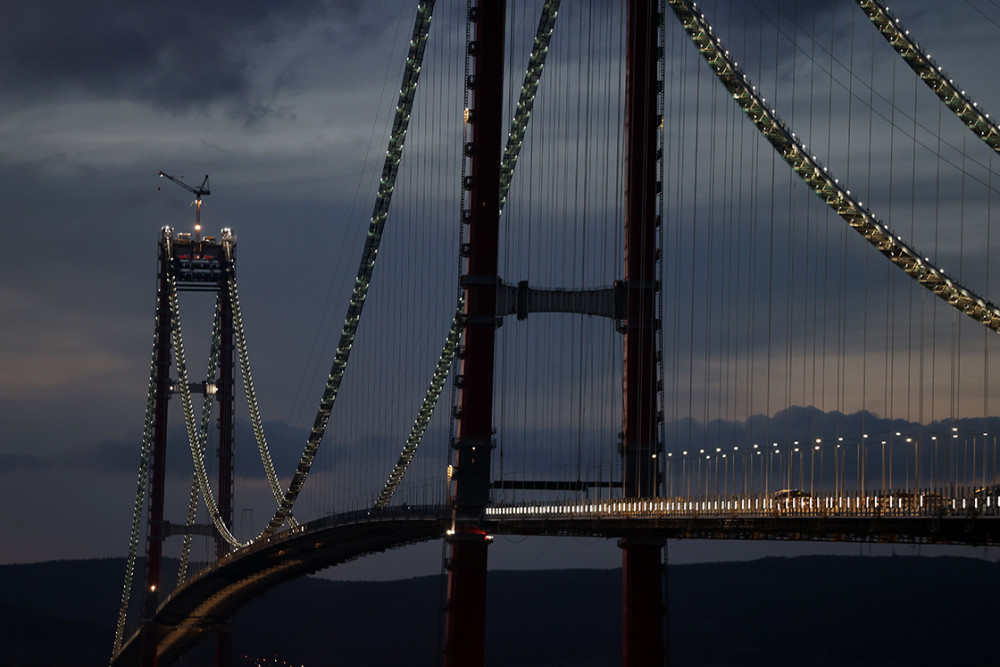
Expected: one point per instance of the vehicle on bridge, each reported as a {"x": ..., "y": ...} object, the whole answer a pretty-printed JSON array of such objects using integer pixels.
[
  {"x": 787, "y": 500},
  {"x": 789, "y": 495}
]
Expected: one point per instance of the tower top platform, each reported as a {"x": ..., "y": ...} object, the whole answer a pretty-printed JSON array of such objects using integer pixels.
[{"x": 201, "y": 262}]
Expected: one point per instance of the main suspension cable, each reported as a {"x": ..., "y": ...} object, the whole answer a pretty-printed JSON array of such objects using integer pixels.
[
  {"x": 255, "y": 419},
  {"x": 963, "y": 106},
  {"x": 376, "y": 226},
  {"x": 206, "y": 416},
  {"x": 140, "y": 497},
  {"x": 197, "y": 453},
  {"x": 836, "y": 196}
]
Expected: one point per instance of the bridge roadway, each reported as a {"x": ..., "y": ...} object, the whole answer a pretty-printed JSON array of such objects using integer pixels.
[{"x": 212, "y": 596}]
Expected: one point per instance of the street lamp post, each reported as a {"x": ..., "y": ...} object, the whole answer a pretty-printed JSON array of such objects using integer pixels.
[
  {"x": 934, "y": 465},
  {"x": 883, "y": 468},
  {"x": 842, "y": 455},
  {"x": 864, "y": 464}
]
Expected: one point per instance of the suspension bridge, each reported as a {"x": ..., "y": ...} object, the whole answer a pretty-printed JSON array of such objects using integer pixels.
[{"x": 651, "y": 249}]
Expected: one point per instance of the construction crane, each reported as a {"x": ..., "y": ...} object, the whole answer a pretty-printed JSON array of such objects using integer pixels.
[{"x": 198, "y": 192}]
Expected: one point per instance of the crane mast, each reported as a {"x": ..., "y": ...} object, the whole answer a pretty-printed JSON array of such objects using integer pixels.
[{"x": 198, "y": 192}]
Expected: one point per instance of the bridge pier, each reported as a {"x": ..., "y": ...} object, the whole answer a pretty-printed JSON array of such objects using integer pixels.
[
  {"x": 643, "y": 603},
  {"x": 224, "y": 645},
  {"x": 465, "y": 613}
]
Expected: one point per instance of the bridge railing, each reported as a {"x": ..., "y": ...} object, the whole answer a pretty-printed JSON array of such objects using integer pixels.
[{"x": 901, "y": 503}]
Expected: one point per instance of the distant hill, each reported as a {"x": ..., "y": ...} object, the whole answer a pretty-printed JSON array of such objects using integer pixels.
[{"x": 813, "y": 610}]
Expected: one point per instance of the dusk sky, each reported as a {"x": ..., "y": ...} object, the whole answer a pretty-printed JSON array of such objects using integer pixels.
[{"x": 286, "y": 107}]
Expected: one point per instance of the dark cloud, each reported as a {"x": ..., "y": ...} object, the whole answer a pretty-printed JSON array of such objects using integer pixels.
[
  {"x": 14, "y": 462},
  {"x": 177, "y": 56}
]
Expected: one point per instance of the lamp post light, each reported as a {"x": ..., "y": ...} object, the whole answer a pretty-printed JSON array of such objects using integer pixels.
[
  {"x": 801, "y": 472},
  {"x": 670, "y": 477},
  {"x": 842, "y": 455},
  {"x": 725, "y": 476},
  {"x": 735, "y": 450},
  {"x": 684, "y": 476},
  {"x": 717, "y": 451},
  {"x": 916, "y": 463},
  {"x": 836, "y": 471},
  {"x": 702, "y": 481},
  {"x": 774, "y": 452},
  {"x": 812, "y": 468},
  {"x": 898, "y": 434},
  {"x": 864, "y": 464},
  {"x": 934, "y": 465},
  {"x": 883, "y": 467},
  {"x": 954, "y": 464},
  {"x": 708, "y": 474},
  {"x": 819, "y": 444},
  {"x": 993, "y": 478},
  {"x": 984, "y": 459},
  {"x": 791, "y": 466},
  {"x": 755, "y": 452}
]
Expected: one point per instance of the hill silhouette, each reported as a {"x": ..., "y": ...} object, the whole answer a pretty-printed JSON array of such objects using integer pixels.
[{"x": 810, "y": 610}]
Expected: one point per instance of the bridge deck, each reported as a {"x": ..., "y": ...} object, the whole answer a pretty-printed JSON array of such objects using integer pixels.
[{"x": 215, "y": 594}]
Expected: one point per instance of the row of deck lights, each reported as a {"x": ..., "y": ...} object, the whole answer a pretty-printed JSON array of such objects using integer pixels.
[{"x": 799, "y": 447}]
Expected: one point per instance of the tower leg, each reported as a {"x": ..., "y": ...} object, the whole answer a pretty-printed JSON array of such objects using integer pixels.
[
  {"x": 465, "y": 613},
  {"x": 157, "y": 475},
  {"x": 226, "y": 399},
  {"x": 642, "y": 585}
]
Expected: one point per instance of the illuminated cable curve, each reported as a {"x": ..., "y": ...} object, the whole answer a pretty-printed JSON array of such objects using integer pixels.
[
  {"x": 380, "y": 211},
  {"x": 795, "y": 153},
  {"x": 180, "y": 359},
  {"x": 206, "y": 416},
  {"x": 255, "y": 419},
  {"x": 963, "y": 106},
  {"x": 140, "y": 498}
]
